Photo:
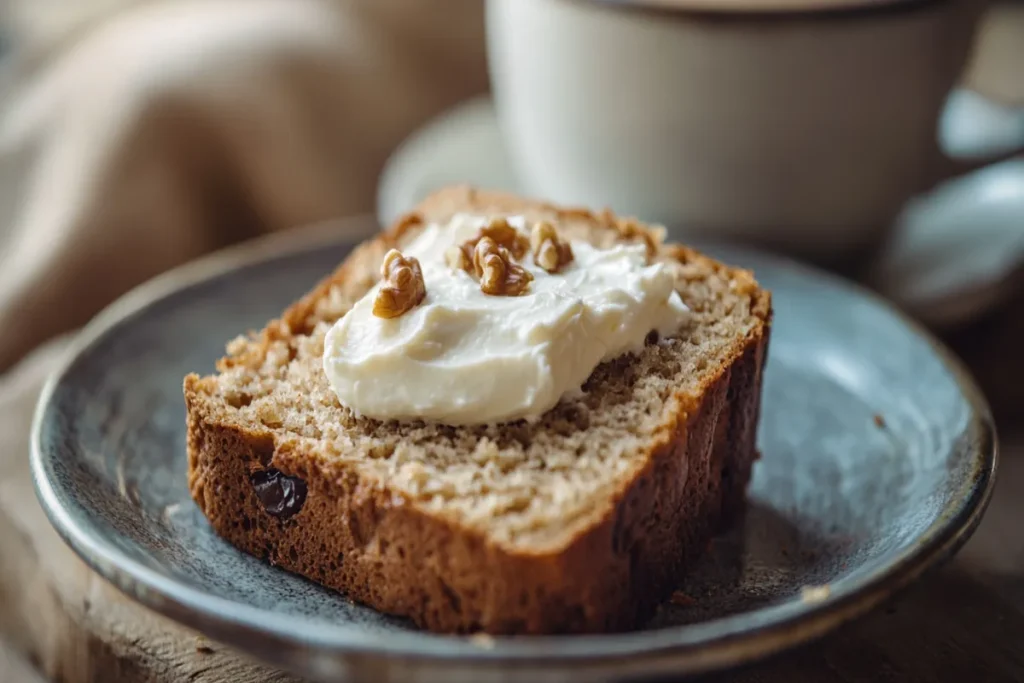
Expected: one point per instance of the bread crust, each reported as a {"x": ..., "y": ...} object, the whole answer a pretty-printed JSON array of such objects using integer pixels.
[{"x": 368, "y": 541}]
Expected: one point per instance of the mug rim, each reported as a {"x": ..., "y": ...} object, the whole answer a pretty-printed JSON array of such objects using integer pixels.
[{"x": 813, "y": 10}]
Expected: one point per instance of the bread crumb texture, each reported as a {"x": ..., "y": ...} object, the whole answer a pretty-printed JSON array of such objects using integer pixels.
[{"x": 519, "y": 488}]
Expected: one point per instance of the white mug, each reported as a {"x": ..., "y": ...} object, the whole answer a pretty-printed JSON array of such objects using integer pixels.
[{"x": 800, "y": 124}]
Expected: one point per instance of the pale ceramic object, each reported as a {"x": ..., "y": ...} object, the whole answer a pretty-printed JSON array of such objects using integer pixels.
[
  {"x": 953, "y": 252},
  {"x": 878, "y": 459},
  {"x": 959, "y": 250},
  {"x": 760, "y": 6},
  {"x": 973, "y": 126},
  {"x": 805, "y": 131}
]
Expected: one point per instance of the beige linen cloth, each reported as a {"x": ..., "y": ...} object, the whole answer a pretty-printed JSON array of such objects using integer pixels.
[{"x": 137, "y": 135}]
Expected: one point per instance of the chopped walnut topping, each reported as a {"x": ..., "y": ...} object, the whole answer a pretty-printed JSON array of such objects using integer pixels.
[
  {"x": 491, "y": 257},
  {"x": 505, "y": 235},
  {"x": 499, "y": 274},
  {"x": 500, "y": 232},
  {"x": 549, "y": 252},
  {"x": 403, "y": 286}
]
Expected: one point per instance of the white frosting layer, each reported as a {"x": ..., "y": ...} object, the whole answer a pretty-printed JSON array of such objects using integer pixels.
[{"x": 464, "y": 357}]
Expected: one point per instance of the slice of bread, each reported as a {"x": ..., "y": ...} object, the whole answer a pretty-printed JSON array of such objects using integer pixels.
[{"x": 581, "y": 521}]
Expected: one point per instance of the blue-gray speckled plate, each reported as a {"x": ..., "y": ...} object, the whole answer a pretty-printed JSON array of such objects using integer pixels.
[{"x": 879, "y": 458}]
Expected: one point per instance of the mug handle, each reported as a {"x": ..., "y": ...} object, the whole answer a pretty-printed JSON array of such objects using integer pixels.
[
  {"x": 975, "y": 130},
  {"x": 956, "y": 250}
]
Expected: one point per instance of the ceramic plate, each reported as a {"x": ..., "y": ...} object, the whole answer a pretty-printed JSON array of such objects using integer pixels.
[{"x": 878, "y": 460}]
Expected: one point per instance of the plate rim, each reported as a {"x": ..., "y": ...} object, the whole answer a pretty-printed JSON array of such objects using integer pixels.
[{"x": 692, "y": 648}]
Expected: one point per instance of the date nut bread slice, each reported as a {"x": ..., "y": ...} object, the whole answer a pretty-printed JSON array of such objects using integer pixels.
[{"x": 580, "y": 521}]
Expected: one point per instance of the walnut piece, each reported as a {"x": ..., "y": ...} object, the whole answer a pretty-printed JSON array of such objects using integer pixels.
[
  {"x": 403, "y": 287},
  {"x": 549, "y": 252},
  {"x": 497, "y": 230},
  {"x": 505, "y": 235},
  {"x": 491, "y": 256},
  {"x": 499, "y": 274}
]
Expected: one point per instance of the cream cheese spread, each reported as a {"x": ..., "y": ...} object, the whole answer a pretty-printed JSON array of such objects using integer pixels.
[{"x": 464, "y": 357}]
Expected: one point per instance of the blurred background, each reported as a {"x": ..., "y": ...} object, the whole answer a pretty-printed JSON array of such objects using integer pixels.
[{"x": 136, "y": 135}]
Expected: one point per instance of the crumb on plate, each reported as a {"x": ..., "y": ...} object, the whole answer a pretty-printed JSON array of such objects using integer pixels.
[
  {"x": 482, "y": 640},
  {"x": 815, "y": 593}
]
